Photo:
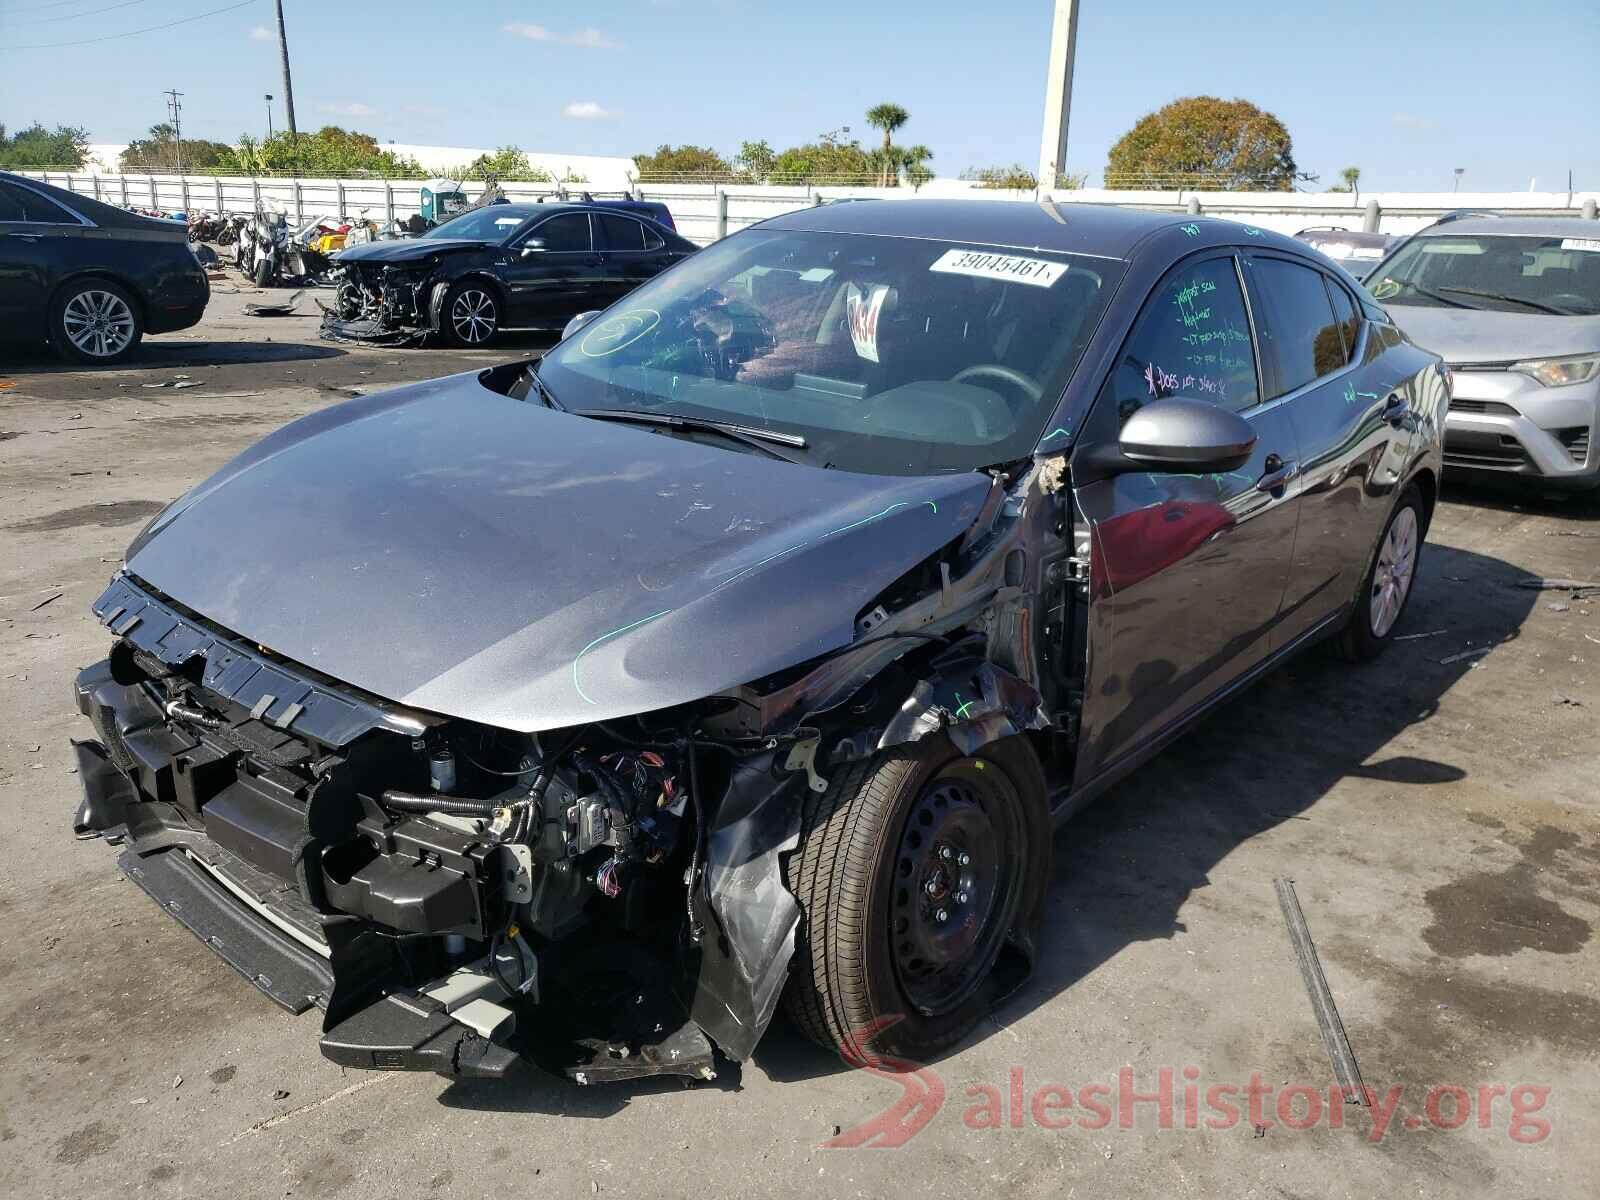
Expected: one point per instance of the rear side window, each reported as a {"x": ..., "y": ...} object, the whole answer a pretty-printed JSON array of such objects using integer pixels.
[
  {"x": 1191, "y": 340},
  {"x": 1299, "y": 333},
  {"x": 20, "y": 204},
  {"x": 1344, "y": 312},
  {"x": 569, "y": 231},
  {"x": 622, "y": 233}
]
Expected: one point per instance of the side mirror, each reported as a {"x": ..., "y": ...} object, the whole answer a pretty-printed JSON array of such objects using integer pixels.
[
  {"x": 531, "y": 246},
  {"x": 578, "y": 322},
  {"x": 1178, "y": 435}
]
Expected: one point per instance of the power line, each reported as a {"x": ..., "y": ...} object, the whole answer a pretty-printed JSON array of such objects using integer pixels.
[
  {"x": 111, "y": 37},
  {"x": 74, "y": 16}
]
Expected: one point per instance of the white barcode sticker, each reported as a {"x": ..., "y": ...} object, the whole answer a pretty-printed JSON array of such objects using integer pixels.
[{"x": 1590, "y": 244}]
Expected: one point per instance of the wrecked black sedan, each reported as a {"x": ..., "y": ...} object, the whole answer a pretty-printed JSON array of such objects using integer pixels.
[
  {"x": 497, "y": 268},
  {"x": 748, "y": 646}
]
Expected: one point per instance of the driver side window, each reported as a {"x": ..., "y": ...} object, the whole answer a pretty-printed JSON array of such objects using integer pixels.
[{"x": 1193, "y": 340}]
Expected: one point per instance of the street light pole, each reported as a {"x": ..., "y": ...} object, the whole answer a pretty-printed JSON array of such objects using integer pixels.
[
  {"x": 1058, "y": 93},
  {"x": 269, "y": 116}
]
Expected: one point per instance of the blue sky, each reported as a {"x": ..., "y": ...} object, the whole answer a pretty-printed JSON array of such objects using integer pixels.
[{"x": 1407, "y": 91}]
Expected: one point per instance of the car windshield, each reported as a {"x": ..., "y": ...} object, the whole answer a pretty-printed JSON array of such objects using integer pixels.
[
  {"x": 888, "y": 355},
  {"x": 1554, "y": 275},
  {"x": 489, "y": 224}
]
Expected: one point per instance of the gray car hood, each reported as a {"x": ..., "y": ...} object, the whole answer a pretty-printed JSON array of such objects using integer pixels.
[
  {"x": 1459, "y": 335},
  {"x": 458, "y": 551}
]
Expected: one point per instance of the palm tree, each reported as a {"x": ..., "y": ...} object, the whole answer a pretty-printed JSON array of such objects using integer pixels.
[
  {"x": 1351, "y": 177},
  {"x": 887, "y": 117}
]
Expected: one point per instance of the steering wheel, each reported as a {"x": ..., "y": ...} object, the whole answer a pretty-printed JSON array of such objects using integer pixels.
[{"x": 1000, "y": 371}]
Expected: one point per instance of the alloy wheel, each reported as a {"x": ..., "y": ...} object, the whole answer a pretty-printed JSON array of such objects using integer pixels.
[
  {"x": 474, "y": 316},
  {"x": 98, "y": 323},
  {"x": 1391, "y": 578}
]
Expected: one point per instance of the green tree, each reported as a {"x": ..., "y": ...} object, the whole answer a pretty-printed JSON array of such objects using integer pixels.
[
  {"x": 330, "y": 151},
  {"x": 756, "y": 161},
  {"x": 507, "y": 164},
  {"x": 889, "y": 118},
  {"x": 1351, "y": 179},
  {"x": 695, "y": 162},
  {"x": 158, "y": 151},
  {"x": 1201, "y": 141},
  {"x": 37, "y": 147},
  {"x": 1013, "y": 178},
  {"x": 826, "y": 160}
]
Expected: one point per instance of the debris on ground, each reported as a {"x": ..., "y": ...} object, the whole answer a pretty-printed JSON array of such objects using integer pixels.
[
  {"x": 280, "y": 1094},
  {"x": 1559, "y": 607},
  {"x": 1559, "y": 585},
  {"x": 1563, "y": 698},
  {"x": 282, "y": 309},
  {"x": 1411, "y": 637},
  {"x": 7, "y": 384},
  {"x": 47, "y": 600},
  {"x": 1455, "y": 658}
]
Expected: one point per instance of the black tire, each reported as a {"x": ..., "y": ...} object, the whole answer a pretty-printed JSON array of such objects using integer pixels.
[
  {"x": 261, "y": 273},
  {"x": 851, "y": 984},
  {"x": 1371, "y": 626},
  {"x": 95, "y": 321},
  {"x": 470, "y": 316}
]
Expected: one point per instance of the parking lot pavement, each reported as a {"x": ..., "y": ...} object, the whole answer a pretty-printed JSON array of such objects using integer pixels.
[{"x": 1438, "y": 810}]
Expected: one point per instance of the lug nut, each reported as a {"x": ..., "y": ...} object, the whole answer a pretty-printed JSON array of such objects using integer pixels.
[
  {"x": 941, "y": 916},
  {"x": 961, "y": 897},
  {"x": 946, "y": 853},
  {"x": 931, "y": 887},
  {"x": 965, "y": 859}
]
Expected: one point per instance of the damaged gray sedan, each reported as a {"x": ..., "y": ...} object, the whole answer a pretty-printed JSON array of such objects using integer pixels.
[{"x": 747, "y": 648}]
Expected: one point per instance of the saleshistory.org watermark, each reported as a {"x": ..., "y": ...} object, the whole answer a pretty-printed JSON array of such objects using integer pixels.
[{"x": 1181, "y": 1098}]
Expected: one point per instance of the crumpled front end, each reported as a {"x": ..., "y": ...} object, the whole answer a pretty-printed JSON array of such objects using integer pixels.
[{"x": 392, "y": 304}]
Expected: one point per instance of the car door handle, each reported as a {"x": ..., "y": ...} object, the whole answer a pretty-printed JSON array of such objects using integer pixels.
[{"x": 1278, "y": 473}]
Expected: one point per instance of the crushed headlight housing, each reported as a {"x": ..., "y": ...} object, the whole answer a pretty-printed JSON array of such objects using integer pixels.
[{"x": 1560, "y": 372}]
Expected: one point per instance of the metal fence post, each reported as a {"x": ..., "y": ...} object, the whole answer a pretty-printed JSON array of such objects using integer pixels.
[
  {"x": 340, "y": 186},
  {"x": 183, "y": 192},
  {"x": 388, "y": 200},
  {"x": 151, "y": 180},
  {"x": 722, "y": 212},
  {"x": 1590, "y": 210},
  {"x": 1374, "y": 214},
  {"x": 299, "y": 203},
  {"x": 94, "y": 180},
  {"x": 218, "y": 184},
  {"x": 123, "y": 179}
]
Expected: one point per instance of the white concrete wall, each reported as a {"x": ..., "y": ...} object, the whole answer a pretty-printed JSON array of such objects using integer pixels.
[{"x": 697, "y": 208}]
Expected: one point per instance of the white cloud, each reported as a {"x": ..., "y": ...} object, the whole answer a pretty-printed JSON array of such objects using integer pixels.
[
  {"x": 588, "y": 110},
  {"x": 354, "y": 109},
  {"x": 261, "y": 34},
  {"x": 1410, "y": 121},
  {"x": 589, "y": 39}
]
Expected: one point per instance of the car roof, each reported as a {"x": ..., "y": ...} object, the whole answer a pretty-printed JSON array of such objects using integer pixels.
[
  {"x": 1065, "y": 228},
  {"x": 1513, "y": 227}
]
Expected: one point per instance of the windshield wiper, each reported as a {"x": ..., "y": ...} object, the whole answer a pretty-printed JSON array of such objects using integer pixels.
[
  {"x": 1536, "y": 305},
  {"x": 543, "y": 388},
  {"x": 1434, "y": 294},
  {"x": 747, "y": 435}
]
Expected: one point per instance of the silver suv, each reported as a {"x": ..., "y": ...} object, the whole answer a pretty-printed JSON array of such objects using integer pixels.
[{"x": 1513, "y": 305}]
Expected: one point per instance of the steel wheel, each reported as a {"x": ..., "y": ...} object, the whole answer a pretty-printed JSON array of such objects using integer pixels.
[
  {"x": 1397, "y": 564},
  {"x": 955, "y": 892},
  {"x": 98, "y": 323},
  {"x": 474, "y": 316}
]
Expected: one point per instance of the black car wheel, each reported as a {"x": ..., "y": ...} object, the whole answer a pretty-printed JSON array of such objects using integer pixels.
[
  {"x": 470, "y": 315},
  {"x": 911, "y": 871},
  {"x": 95, "y": 321},
  {"x": 1389, "y": 583}
]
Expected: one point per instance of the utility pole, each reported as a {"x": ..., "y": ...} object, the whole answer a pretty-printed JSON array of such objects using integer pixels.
[
  {"x": 1058, "y": 93},
  {"x": 175, "y": 107},
  {"x": 288, "y": 87},
  {"x": 269, "y": 116}
]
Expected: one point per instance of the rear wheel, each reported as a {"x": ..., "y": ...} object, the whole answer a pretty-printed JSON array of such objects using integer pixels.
[
  {"x": 470, "y": 315},
  {"x": 911, "y": 871},
  {"x": 96, "y": 321},
  {"x": 1389, "y": 581}
]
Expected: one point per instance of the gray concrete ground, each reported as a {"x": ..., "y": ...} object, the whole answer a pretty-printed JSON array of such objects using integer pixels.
[{"x": 1438, "y": 813}]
